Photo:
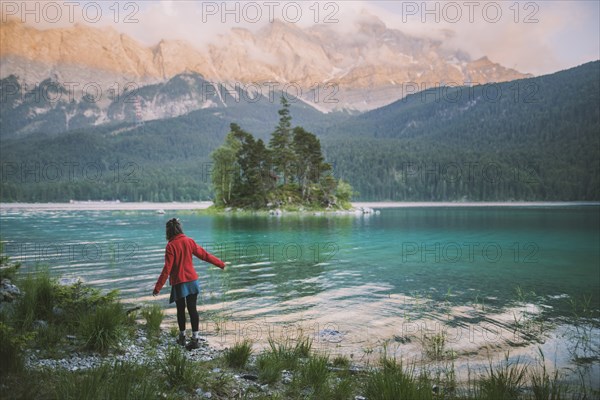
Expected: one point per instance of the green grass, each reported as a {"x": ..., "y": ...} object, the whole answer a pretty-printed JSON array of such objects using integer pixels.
[
  {"x": 392, "y": 381},
  {"x": 154, "y": 316},
  {"x": 37, "y": 300},
  {"x": 435, "y": 346},
  {"x": 269, "y": 367},
  {"x": 288, "y": 353},
  {"x": 284, "y": 353},
  {"x": 506, "y": 380},
  {"x": 97, "y": 319},
  {"x": 120, "y": 380},
  {"x": 314, "y": 374},
  {"x": 50, "y": 336},
  {"x": 341, "y": 361},
  {"x": 238, "y": 355},
  {"x": 11, "y": 349},
  {"x": 181, "y": 372},
  {"x": 8, "y": 269},
  {"x": 544, "y": 385},
  {"x": 99, "y": 322},
  {"x": 303, "y": 346},
  {"x": 342, "y": 389},
  {"x": 104, "y": 327}
]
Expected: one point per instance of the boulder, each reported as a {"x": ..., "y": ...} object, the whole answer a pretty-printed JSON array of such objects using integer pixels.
[{"x": 8, "y": 291}]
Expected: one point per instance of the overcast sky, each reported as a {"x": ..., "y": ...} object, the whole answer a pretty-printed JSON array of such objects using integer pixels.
[{"x": 537, "y": 37}]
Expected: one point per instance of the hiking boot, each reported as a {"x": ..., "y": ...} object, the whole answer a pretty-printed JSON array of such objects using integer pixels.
[
  {"x": 181, "y": 340},
  {"x": 193, "y": 344}
]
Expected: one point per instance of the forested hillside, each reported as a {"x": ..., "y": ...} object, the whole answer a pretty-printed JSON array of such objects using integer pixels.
[{"x": 532, "y": 139}]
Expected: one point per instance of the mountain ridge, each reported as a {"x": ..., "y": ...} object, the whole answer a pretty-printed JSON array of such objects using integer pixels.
[
  {"x": 512, "y": 149},
  {"x": 369, "y": 67}
]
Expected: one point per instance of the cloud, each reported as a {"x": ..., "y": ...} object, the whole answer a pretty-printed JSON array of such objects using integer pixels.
[
  {"x": 536, "y": 37},
  {"x": 565, "y": 34}
]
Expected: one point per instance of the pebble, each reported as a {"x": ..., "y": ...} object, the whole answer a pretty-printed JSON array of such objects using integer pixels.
[
  {"x": 201, "y": 393},
  {"x": 287, "y": 377},
  {"x": 57, "y": 311},
  {"x": 250, "y": 377}
]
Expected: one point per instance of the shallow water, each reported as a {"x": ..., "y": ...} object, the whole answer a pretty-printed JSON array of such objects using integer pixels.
[{"x": 488, "y": 277}]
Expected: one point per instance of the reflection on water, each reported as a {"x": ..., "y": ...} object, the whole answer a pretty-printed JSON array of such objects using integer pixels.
[{"x": 490, "y": 277}]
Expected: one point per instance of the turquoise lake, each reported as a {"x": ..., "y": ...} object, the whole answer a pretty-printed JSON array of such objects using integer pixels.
[{"x": 504, "y": 275}]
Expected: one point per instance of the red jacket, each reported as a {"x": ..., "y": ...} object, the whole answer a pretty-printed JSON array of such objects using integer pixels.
[{"x": 179, "y": 266}]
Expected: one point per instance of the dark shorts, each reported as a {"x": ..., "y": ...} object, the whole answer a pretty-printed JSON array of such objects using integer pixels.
[{"x": 184, "y": 289}]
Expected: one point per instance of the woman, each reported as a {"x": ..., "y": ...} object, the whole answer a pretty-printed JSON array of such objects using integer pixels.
[{"x": 179, "y": 268}]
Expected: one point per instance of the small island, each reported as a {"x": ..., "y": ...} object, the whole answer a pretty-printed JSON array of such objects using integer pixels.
[{"x": 289, "y": 174}]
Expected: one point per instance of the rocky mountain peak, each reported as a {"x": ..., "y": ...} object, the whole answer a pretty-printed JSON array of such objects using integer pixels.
[
  {"x": 371, "y": 25},
  {"x": 367, "y": 69}
]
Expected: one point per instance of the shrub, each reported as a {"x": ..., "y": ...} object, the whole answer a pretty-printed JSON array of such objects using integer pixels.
[
  {"x": 7, "y": 269},
  {"x": 11, "y": 349}
]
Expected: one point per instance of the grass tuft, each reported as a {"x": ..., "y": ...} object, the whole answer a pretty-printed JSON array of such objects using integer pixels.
[
  {"x": 504, "y": 381},
  {"x": 103, "y": 328},
  {"x": 120, "y": 380},
  {"x": 269, "y": 367},
  {"x": 341, "y": 361},
  {"x": 393, "y": 381},
  {"x": 238, "y": 355},
  {"x": 435, "y": 346},
  {"x": 314, "y": 373},
  {"x": 37, "y": 300},
  {"x": 543, "y": 385},
  {"x": 303, "y": 347},
  {"x": 178, "y": 370},
  {"x": 154, "y": 316}
]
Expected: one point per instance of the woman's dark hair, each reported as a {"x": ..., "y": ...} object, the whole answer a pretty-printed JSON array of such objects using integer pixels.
[{"x": 173, "y": 228}]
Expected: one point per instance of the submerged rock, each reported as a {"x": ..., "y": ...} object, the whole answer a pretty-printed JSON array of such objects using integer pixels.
[
  {"x": 331, "y": 335},
  {"x": 69, "y": 281}
]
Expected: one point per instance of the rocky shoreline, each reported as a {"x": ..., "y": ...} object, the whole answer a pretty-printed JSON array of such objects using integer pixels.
[
  {"x": 139, "y": 350},
  {"x": 142, "y": 350}
]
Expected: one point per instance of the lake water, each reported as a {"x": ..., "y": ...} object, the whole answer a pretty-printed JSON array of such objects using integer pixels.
[{"x": 488, "y": 278}]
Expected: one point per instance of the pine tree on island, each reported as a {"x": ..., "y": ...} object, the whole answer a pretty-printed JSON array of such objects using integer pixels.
[{"x": 291, "y": 173}]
